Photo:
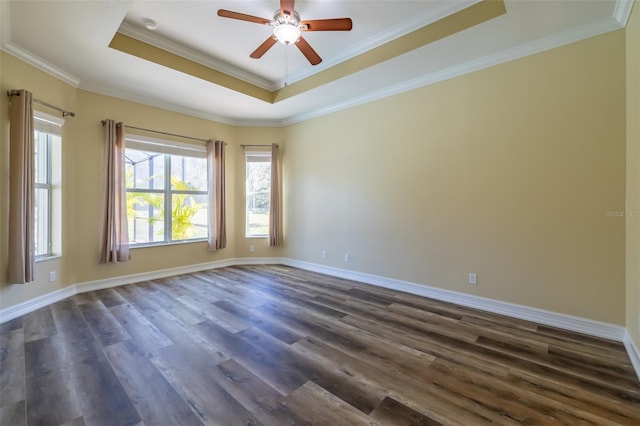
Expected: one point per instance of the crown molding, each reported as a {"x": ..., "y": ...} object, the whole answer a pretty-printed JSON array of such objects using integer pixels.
[
  {"x": 566, "y": 37},
  {"x": 416, "y": 22},
  {"x": 156, "y": 40},
  {"x": 41, "y": 64},
  {"x": 25, "y": 56},
  {"x": 127, "y": 96},
  {"x": 618, "y": 20},
  {"x": 622, "y": 11}
]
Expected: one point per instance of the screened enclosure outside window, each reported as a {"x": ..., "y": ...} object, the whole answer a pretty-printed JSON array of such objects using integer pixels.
[
  {"x": 258, "y": 189},
  {"x": 47, "y": 145},
  {"x": 42, "y": 204},
  {"x": 166, "y": 193}
]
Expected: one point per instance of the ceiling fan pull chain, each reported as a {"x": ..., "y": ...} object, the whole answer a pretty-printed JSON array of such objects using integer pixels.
[
  {"x": 287, "y": 28},
  {"x": 286, "y": 66}
]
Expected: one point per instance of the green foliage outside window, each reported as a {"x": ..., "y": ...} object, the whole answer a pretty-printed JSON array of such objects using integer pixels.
[{"x": 183, "y": 208}]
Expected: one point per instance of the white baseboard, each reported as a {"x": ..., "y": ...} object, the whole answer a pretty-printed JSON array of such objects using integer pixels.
[
  {"x": 633, "y": 352},
  {"x": 554, "y": 319},
  {"x": 36, "y": 303},
  {"x": 153, "y": 275},
  {"x": 541, "y": 316},
  {"x": 164, "y": 273},
  {"x": 259, "y": 261},
  {"x": 20, "y": 309}
]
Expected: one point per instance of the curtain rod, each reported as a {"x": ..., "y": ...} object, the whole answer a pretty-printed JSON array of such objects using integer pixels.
[
  {"x": 64, "y": 112},
  {"x": 244, "y": 146},
  {"x": 162, "y": 133}
]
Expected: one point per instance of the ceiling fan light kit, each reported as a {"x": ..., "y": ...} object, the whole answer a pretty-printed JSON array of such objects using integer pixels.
[
  {"x": 288, "y": 28},
  {"x": 286, "y": 33}
]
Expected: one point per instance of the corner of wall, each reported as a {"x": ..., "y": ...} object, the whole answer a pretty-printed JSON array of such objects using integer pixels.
[{"x": 632, "y": 208}]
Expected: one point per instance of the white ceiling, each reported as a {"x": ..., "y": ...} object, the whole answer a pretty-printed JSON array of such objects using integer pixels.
[{"x": 70, "y": 39}]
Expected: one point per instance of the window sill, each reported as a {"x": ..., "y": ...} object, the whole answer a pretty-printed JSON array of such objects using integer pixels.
[
  {"x": 256, "y": 237},
  {"x": 165, "y": 244},
  {"x": 47, "y": 258}
]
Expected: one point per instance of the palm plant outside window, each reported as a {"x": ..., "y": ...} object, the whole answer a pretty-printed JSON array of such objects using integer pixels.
[{"x": 166, "y": 197}]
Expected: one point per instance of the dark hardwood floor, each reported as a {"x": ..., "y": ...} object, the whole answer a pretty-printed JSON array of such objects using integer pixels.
[{"x": 274, "y": 345}]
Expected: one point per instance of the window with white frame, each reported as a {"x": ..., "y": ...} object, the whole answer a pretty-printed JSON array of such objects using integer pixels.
[
  {"x": 166, "y": 191},
  {"x": 48, "y": 188},
  {"x": 258, "y": 192}
]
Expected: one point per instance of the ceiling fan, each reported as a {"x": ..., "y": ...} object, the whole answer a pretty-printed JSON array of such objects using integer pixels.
[{"x": 288, "y": 28}]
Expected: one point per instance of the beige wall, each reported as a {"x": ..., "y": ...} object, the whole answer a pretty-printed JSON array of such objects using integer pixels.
[
  {"x": 633, "y": 174},
  {"x": 82, "y": 184},
  {"x": 89, "y": 145},
  {"x": 17, "y": 75},
  {"x": 506, "y": 172}
]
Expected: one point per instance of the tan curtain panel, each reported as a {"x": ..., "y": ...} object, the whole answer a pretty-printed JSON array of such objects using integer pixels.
[
  {"x": 216, "y": 195},
  {"x": 275, "y": 219},
  {"x": 21, "y": 190},
  {"x": 114, "y": 243}
]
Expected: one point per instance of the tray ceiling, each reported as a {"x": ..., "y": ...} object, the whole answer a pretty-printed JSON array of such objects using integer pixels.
[{"x": 198, "y": 63}]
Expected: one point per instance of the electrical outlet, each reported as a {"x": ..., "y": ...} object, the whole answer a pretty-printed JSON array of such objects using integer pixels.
[
  {"x": 324, "y": 254},
  {"x": 252, "y": 248},
  {"x": 52, "y": 276},
  {"x": 473, "y": 278},
  {"x": 346, "y": 257}
]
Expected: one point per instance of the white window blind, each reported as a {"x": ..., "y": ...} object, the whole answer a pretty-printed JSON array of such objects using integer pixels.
[{"x": 142, "y": 143}]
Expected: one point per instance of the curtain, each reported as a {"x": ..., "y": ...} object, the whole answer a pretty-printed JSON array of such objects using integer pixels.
[
  {"x": 216, "y": 196},
  {"x": 275, "y": 232},
  {"x": 21, "y": 190},
  {"x": 114, "y": 243}
]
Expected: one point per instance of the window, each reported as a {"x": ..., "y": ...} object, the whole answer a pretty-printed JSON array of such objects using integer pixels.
[
  {"x": 258, "y": 179},
  {"x": 47, "y": 207},
  {"x": 166, "y": 191}
]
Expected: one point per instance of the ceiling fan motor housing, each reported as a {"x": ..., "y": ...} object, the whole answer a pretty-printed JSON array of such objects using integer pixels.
[{"x": 287, "y": 29}]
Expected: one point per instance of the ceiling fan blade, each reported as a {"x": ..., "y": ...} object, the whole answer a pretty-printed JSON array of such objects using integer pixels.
[
  {"x": 262, "y": 49},
  {"x": 242, "y": 17},
  {"x": 286, "y": 7},
  {"x": 339, "y": 24},
  {"x": 308, "y": 51}
]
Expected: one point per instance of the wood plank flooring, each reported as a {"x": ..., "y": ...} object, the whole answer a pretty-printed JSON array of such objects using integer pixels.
[{"x": 273, "y": 345}]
